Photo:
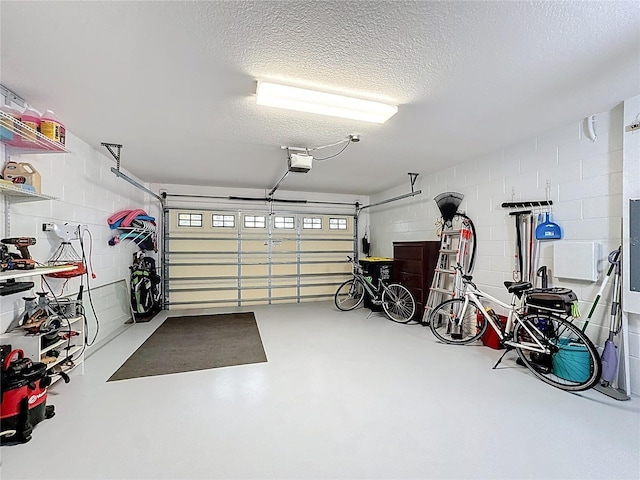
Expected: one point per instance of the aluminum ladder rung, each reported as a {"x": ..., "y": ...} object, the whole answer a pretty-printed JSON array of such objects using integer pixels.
[
  {"x": 441, "y": 290},
  {"x": 449, "y": 252},
  {"x": 444, "y": 270}
]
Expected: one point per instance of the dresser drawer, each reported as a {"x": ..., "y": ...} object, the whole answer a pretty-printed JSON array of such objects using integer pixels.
[
  {"x": 409, "y": 280},
  {"x": 408, "y": 266},
  {"x": 408, "y": 252}
]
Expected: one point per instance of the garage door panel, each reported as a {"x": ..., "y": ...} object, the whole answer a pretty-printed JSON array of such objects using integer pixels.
[
  {"x": 324, "y": 279},
  {"x": 317, "y": 290},
  {"x": 214, "y": 295},
  {"x": 204, "y": 260},
  {"x": 211, "y": 283},
  {"x": 255, "y": 282},
  {"x": 254, "y": 270},
  {"x": 284, "y": 269},
  {"x": 203, "y": 271},
  {"x": 254, "y": 246},
  {"x": 285, "y": 280},
  {"x": 204, "y": 245},
  {"x": 287, "y": 248},
  {"x": 251, "y": 266},
  {"x": 327, "y": 259},
  {"x": 248, "y": 294},
  {"x": 283, "y": 292},
  {"x": 324, "y": 268},
  {"x": 332, "y": 245}
]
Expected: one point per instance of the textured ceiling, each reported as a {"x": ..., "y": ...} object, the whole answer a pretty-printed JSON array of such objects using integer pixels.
[{"x": 174, "y": 82}]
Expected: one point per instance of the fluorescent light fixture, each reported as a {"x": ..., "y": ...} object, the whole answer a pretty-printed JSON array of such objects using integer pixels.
[{"x": 303, "y": 100}]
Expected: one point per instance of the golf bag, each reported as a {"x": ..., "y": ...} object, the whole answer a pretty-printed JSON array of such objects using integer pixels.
[
  {"x": 145, "y": 287},
  {"x": 24, "y": 397}
]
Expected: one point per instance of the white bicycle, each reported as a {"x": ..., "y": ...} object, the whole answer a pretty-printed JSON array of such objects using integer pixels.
[{"x": 550, "y": 346}]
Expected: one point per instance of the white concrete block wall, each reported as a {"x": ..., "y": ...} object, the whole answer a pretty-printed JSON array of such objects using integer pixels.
[
  {"x": 88, "y": 194},
  {"x": 585, "y": 180}
]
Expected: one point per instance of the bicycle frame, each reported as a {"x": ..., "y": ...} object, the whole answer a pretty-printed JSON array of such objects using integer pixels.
[
  {"x": 473, "y": 294},
  {"x": 374, "y": 292}
]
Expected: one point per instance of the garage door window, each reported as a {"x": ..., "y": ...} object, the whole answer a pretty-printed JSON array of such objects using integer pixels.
[
  {"x": 312, "y": 223},
  {"x": 337, "y": 224},
  {"x": 225, "y": 221},
  {"x": 283, "y": 222},
  {"x": 189, "y": 219},
  {"x": 254, "y": 221}
]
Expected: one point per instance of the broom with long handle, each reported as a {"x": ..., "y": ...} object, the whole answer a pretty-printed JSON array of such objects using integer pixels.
[{"x": 615, "y": 254}]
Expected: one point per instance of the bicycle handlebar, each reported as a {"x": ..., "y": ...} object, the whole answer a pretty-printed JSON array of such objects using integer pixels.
[{"x": 356, "y": 267}]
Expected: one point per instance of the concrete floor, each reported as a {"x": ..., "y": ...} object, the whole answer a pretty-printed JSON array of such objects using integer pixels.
[{"x": 342, "y": 396}]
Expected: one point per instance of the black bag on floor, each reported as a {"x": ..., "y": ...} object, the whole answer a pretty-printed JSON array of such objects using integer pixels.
[{"x": 145, "y": 287}]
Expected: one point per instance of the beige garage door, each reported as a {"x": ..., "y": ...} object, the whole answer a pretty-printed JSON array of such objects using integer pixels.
[{"x": 229, "y": 258}]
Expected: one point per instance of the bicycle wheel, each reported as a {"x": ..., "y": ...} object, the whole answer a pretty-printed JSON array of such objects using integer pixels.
[
  {"x": 573, "y": 363},
  {"x": 398, "y": 303},
  {"x": 349, "y": 295},
  {"x": 444, "y": 321}
]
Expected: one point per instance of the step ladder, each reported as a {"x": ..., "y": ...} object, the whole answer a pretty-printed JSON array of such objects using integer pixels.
[{"x": 446, "y": 279}]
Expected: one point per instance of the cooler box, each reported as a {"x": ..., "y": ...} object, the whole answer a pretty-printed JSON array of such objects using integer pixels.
[{"x": 376, "y": 268}]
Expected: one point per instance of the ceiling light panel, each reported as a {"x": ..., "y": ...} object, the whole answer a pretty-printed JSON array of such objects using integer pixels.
[{"x": 312, "y": 101}]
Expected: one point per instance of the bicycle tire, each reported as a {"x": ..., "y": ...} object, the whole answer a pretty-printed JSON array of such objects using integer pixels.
[
  {"x": 349, "y": 295},
  {"x": 398, "y": 303},
  {"x": 573, "y": 364},
  {"x": 473, "y": 325}
]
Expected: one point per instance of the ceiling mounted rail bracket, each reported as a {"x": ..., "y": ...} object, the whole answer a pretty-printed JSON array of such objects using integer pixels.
[
  {"x": 400, "y": 197},
  {"x": 125, "y": 177},
  {"x": 413, "y": 177},
  {"x": 110, "y": 147}
]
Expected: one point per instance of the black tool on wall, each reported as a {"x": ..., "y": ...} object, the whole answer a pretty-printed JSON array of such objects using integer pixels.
[
  {"x": 520, "y": 247},
  {"x": 542, "y": 274},
  {"x": 366, "y": 245}
]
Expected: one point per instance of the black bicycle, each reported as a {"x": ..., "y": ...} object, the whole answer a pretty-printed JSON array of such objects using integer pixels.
[{"x": 397, "y": 302}]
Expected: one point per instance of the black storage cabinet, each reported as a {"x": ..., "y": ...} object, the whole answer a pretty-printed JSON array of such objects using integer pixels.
[{"x": 376, "y": 268}]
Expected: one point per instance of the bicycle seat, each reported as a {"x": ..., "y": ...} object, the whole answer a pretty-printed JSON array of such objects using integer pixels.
[{"x": 517, "y": 287}]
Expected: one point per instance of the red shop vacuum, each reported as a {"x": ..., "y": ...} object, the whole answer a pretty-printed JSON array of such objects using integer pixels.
[{"x": 24, "y": 397}]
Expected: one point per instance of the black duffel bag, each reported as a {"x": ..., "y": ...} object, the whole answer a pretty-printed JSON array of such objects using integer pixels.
[{"x": 555, "y": 299}]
